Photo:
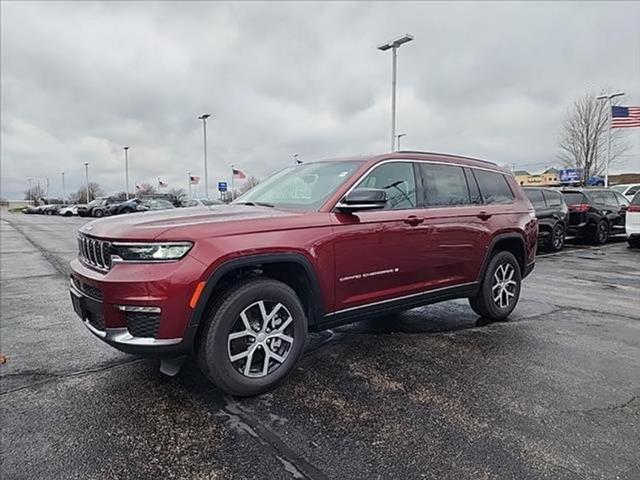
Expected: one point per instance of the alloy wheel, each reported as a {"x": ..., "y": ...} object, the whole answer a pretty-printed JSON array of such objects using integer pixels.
[
  {"x": 558, "y": 237},
  {"x": 261, "y": 339},
  {"x": 504, "y": 286}
]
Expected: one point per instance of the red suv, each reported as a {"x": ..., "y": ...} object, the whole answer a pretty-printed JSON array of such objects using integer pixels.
[{"x": 315, "y": 245}]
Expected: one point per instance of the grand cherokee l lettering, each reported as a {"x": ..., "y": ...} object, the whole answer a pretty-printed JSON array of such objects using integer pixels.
[{"x": 318, "y": 244}]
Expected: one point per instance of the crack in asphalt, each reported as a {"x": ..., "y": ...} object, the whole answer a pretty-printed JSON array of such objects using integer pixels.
[
  {"x": 610, "y": 408},
  {"x": 244, "y": 422},
  {"x": 53, "y": 377}
]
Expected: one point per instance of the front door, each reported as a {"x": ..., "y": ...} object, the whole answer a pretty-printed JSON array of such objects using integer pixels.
[{"x": 381, "y": 254}]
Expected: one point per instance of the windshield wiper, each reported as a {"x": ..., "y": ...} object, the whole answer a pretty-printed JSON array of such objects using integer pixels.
[{"x": 256, "y": 204}]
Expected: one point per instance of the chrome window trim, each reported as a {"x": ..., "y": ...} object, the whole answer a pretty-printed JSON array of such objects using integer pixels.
[{"x": 405, "y": 160}]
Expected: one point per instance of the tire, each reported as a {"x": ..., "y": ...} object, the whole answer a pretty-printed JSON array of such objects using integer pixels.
[
  {"x": 556, "y": 239},
  {"x": 600, "y": 233},
  {"x": 98, "y": 213},
  {"x": 68, "y": 214},
  {"x": 634, "y": 242},
  {"x": 504, "y": 266},
  {"x": 216, "y": 351},
  {"x": 127, "y": 210}
]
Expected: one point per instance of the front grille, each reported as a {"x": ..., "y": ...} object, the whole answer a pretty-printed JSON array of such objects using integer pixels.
[
  {"x": 89, "y": 290},
  {"x": 95, "y": 253},
  {"x": 141, "y": 324}
]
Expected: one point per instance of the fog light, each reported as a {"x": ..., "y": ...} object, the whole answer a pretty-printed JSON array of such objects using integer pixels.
[{"x": 137, "y": 309}]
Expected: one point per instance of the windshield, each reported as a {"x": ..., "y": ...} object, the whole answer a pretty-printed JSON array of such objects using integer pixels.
[
  {"x": 303, "y": 187},
  {"x": 619, "y": 188},
  {"x": 574, "y": 198}
]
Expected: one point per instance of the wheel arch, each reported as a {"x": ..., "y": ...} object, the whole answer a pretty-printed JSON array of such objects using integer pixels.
[
  {"x": 293, "y": 269},
  {"x": 511, "y": 242}
]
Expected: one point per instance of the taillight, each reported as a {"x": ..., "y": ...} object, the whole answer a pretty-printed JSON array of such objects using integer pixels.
[
  {"x": 634, "y": 208},
  {"x": 580, "y": 207}
]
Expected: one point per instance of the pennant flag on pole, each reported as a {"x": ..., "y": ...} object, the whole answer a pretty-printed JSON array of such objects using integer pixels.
[
  {"x": 194, "y": 179},
  {"x": 239, "y": 174}
]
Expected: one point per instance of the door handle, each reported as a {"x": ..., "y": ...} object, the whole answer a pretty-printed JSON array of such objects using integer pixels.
[
  {"x": 484, "y": 216},
  {"x": 413, "y": 220}
]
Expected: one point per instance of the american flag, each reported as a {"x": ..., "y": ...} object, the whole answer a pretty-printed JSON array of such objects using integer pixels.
[
  {"x": 624, "y": 117},
  {"x": 162, "y": 184},
  {"x": 194, "y": 179},
  {"x": 239, "y": 174}
]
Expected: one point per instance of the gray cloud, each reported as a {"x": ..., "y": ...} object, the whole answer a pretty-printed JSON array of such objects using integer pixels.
[{"x": 80, "y": 80}]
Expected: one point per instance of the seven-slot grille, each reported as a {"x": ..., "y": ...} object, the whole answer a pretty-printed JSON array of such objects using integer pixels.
[{"x": 96, "y": 253}]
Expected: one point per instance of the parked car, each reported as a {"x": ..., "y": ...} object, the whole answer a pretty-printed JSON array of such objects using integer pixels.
[
  {"x": 97, "y": 207},
  {"x": 50, "y": 209},
  {"x": 201, "y": 202},
  {"x": 595, "y": 213},
  {"x": 551, "y": 212},
  {"x": 627, "y": 189},
  {"x": 162, "y": 196},
  {"x": 30, "y": 209},
  {"x": 317, "y": 244},
  {"x": 633, "y": 222},
  {"x": 128, "y": 206},
  {"x": 155, "y": 204},
  {"x": 69, "y": 210}
]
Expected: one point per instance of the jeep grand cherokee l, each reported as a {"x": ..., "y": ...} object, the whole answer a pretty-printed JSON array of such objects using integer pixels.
[
  {"x": 552, "y": 214},
  {"x": 316, "y": 245}
]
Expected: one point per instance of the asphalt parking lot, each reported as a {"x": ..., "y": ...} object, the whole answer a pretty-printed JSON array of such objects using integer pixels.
[{"x": 432, "y": 393}]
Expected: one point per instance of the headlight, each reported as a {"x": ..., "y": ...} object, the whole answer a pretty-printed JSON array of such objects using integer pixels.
[{"x": 150, "y": 251}]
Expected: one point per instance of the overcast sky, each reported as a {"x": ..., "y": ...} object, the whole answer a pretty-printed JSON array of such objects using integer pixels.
[{"x": 80, "y": 80}]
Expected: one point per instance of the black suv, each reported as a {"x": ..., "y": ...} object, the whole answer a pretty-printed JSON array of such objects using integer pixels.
[
  {"x": 595, "y": 213},
  {"x": 552, "y": 213},
  {"x": 98, "y": 207}
]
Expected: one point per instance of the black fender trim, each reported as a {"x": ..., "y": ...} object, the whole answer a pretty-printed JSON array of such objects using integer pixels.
[
  {"x": 317, "y": 309},
  {"x": 491, "y": 248}
]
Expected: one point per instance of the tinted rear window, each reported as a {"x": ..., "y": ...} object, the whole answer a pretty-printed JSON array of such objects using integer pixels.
[
  {"x": 535, "y": 197},
  {"x": 493, "y": 187},
  {"x": 636, "y": 199},
  {"x": 444, "y": 185},
  {"x": 574, "y": 198},
  {"x": 553, "y": 198}
]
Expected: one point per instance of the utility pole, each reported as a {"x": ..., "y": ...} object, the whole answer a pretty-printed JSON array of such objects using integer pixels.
[
  {"x": 86, "y": 174},
  {"x": 64, "y": 193},
  {"x": 393, "y": 45},
  {"x": 204, "y": 117},
  {"x": 608, "y": 98},
  {"x": 126, "y": 170}
]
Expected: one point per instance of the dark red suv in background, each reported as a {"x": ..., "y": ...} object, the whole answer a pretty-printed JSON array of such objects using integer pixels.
[{"x": 315, "y": 245}]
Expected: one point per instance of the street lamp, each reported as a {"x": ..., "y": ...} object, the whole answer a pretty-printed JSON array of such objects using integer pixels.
[
  {"x": 393, "y": 45},
  {"x": 126, "y": 170},
  {"x": 204, "y": 117},
  {"x": 609, "y": 98},
  {"x": 399, "y": 136},
  {"x": 86, "y": 175},
  {"x": 64, "y": 194}
]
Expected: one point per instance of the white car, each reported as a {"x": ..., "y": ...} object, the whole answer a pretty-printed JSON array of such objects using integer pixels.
[
  {"x": 627, "y": 189},
  {"x": 632, "y": 226},
  {"x": 68, "y": 210}
]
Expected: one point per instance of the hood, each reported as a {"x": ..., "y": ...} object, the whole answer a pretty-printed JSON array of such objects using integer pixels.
[{"x": 153, "y": 224}]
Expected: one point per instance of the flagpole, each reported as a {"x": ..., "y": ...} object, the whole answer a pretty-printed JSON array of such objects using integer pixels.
[
  {"x": 232, "y": 191},
  {"x": 189, "y": 182}
]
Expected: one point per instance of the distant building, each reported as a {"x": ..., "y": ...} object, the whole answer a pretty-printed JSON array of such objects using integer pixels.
[{"x": 548, "y": 178}]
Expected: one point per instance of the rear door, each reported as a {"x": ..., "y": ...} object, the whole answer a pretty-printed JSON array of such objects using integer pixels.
[
  {"x": 544, "y": 214},
  {"x": 381, "y": 254},
  {"x": 452, "y": 205}
]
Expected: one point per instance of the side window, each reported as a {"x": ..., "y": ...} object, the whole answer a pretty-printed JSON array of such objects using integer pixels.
[
  {"x": 633, "y": 190},
  {"x": 535, "y": 197},
  {"x": 493, "y": 187},
  {"x": 444, "y": 185},
  {"x": 553, "y": 198},
  {"x": 399, "y": 181},
  {"x": 474, "y": 191}
]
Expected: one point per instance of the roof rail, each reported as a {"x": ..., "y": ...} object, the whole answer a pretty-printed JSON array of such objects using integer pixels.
[{"x": 448, "y": 155}]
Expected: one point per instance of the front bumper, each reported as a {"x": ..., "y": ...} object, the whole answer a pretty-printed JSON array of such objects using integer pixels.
[{"x": 98, "y": 299}]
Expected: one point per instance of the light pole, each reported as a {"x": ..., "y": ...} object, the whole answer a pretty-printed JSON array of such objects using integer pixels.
[
  {"x": 608, "y": 98},
  {"x": 86, "y": 175},
  {"x": 204, "y": 117},
  {"x": 64, "y": 193},
  {"x": 126, "y": 170},
  {"x": 399, "y": 136},
  {"x": 394, "y": 45},
  {"x": 31, "y": 190}
]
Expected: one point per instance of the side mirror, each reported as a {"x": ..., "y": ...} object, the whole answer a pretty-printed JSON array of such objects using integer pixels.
[{"x": 363, "y": 199}]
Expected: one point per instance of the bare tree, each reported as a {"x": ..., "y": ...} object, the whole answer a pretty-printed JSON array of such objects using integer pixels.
[
  {"x": 36, "y": 192},
  {"x": 583, "y": 137},
  {"x": 95, "y": 190},
  {"x": 145, "y": 189},
  {"x": 179, "y": 193},
  {"x": 248, "y": 184}
]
